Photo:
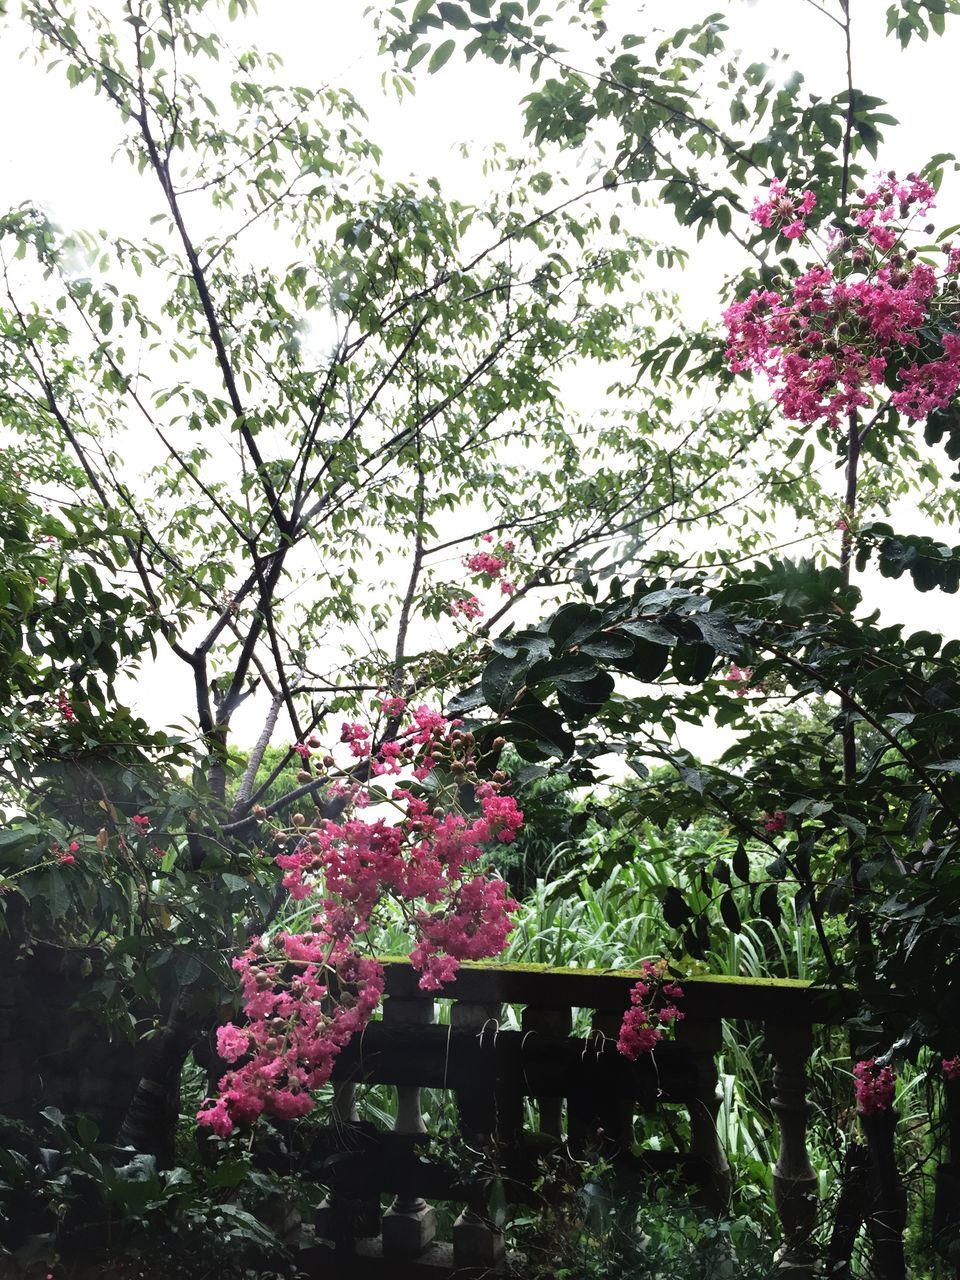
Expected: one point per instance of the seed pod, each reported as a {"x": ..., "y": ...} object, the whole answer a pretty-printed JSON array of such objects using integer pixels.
[{"x": 298, "y": 819}]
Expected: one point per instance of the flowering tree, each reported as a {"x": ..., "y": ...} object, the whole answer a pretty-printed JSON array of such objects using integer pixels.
[
  {"x": 305, "y": 995},
  {"x": 332, "y": 479},
  {"x": 320, "y": 526}
]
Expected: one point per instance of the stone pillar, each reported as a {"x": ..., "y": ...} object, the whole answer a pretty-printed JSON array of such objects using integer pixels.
[
  {"x": 794, "y": 1179},
  {"x": 547, "y": 1022},
  {"x": 946, "y": 1203},
  {"x": 887, "y": 1212},
  {"x": 342, "y": 1217},
  {"x": 409, "y": 1226},
  {"x": 703, "y": 1039},
  {"x": 477, "y": 1242},
  {"x": 614, "y": 1114}
]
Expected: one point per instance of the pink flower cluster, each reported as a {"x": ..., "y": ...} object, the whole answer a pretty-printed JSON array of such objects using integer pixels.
[
  {"x": 875, "y": 1087},
  {"x": 741, "y": 677},
  {"x": 783, "y": 210},
  {"x": 305, "y": 995},
  {"x": 825, "y": 341},
  {"x": 774, "y": 822},
  {"x": 644, "y": 1022},
  {"x": 485, "y": 565},
  {"x": 951, "y": 1068},
  {"x": 65, "y": 858},
  {"x": 891, "y": 201},
  {"x": 468, "y": 607},
  {"x": 489, "y": 567}
]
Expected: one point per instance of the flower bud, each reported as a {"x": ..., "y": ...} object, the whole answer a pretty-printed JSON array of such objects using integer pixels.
[{"x": 298, "y": 819}]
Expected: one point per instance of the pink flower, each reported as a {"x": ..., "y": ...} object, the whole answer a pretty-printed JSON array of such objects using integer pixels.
[
  {"x": 644, "y": 1022},
  {"x": 302, "y": 750},
  {"x": 141, "y": 822},
  {"x": 469, "y": 607},
  {"x": 823, "y": 343},
  {"x": 393, "y": 707},
  {"x": 215, "y": 1116},
  {"x": 232, "y": 1042},
  {"x": 774, "y": 822},
  {"x": 781, "y": 209},
  {"x": 484, "y": 564},
  {"x": 875, "y": 1087},
  {"x": 67, "y": 859},
  {"x": 951, "y": 1068},
  {"x": 426, "y": 858},
  {"x": 883, "y": 237},
  {"x": 932, "y": 385},
  {"x": 42, "y": 581},
  {"x": 74, "y": 846}
]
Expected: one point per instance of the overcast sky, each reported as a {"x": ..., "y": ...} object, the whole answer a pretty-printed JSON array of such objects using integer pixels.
[{"x": 55, "y": 138}]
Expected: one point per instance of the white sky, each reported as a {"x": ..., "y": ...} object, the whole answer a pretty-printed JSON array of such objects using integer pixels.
[{"x": 55, "y": 140}]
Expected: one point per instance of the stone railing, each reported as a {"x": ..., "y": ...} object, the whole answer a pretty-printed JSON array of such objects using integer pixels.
[{"x": 582, "y": 1093}]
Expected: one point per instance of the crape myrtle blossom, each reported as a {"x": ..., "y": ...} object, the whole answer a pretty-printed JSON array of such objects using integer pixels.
[
  {"x": 653, "y": 1008},
  {"x": 489, "y": 567},
  {"x": 783, "y": 211},
  {"x": 826, "y": 339},
  {"x": 874, "y": 1087},
  {"x": 305, "y": 995}
]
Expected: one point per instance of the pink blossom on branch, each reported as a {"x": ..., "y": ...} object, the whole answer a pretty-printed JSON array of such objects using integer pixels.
[
  {"x": 305, "y": 995},
  {"x": 875, "y": 1087},
  {"x": 824, "y": 339},
  {"x": 781, "y": 209},
  {"x": 485, "y": 564},
  {"x": 468, "y": 607},
  {"x": 644, "y": 1022}
]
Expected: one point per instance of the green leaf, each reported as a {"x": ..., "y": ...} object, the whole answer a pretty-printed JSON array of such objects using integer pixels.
[
  {"x": 675, "y": 909},
  {"x": 769, "y": 906},
  {"x": 454, "y": 15},
  {"x": 729, "y": 913},
  {"x": 441, "y": 55},
  {"x": 741, "y": 863},
  {"x": 608, "y": 646},
  {"x": 503, "y": 679},
  {"x": 573, "y": 624}
]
